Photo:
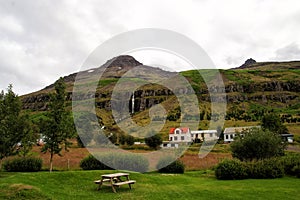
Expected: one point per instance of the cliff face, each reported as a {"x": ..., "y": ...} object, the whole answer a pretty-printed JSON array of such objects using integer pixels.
[
  {"x": 275, "y": 91},
  {"x": 252, "y": 86}
]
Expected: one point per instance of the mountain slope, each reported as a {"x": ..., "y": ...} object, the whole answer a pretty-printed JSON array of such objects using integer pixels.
[{"x": 250, "y": 91}]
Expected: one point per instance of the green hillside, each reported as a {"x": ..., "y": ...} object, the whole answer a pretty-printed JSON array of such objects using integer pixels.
[{"x": 251, "y": 91}]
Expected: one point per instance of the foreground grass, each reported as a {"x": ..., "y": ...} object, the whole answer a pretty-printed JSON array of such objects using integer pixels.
[{"x": 191, "y": 185}]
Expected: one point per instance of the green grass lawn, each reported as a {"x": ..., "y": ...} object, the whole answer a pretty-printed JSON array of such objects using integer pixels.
[{"x": 191, "y": 185}]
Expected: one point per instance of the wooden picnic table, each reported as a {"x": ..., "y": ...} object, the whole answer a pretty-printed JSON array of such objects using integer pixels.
[{"x": 114, "y": 180}]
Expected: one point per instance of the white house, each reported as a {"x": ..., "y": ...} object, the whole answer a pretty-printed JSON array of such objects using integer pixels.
[
  {"x": 231, "y": 132},
  {"x": 205, "y": 135},
  {"x": 180, "y": 135},
  {"x": 184, "y": 135}
]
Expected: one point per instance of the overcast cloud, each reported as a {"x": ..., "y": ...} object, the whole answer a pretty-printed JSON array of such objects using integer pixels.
[{"x": 45, "y": 39}]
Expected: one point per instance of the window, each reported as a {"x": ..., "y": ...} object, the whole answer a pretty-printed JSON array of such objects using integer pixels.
[
  {"x": 182, "y": 137},
  {"x": 172, "y": 145},
  {"x": 231, "y": 136},
  {"x": 165, "y": 145},
  {"x": 210, "y": 135},
  {"x": 171, "y": 138},
  {"x": 175, "y": 138},
  {"x": 226, "y": 136},
  {"x": 177, "y": 132}
]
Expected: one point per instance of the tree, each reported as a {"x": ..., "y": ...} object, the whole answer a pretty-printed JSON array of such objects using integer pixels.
[
  {"x": 29, "y": 138},
  {"x": 273, "y": 123},
  {"x": 126, "y": 139},
  {"x": 58, "y": 127},
  {"x": 257, "y": 144},
  {"x": 154, "y": 140},
  {"x": 13, "y": 125},
  {"x": 129, "y": 140},
  {"x": 220, "y": 134}
]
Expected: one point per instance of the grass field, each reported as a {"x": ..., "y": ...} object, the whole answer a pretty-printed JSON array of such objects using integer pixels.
[{"x": 191, "y": 185}]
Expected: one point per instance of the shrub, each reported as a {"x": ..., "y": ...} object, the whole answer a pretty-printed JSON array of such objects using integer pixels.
[
  {"x": 130, "y": 140},
  {"x": 126, "y": 161},
  {"x": 91, "y": 163},
  {"x": 168, "y": 165},
  {"x": 24, "y": 164},
  {"x": 126, "y": 139},
  {"x": 116, "y": 160},
  {"x": 273, "y": 123},
  {"x": 268, "y": 168},
  {"x": 257, "y": 144},
  {"x": 296, "y": 171},
  {"x": 289, "y": 162},
  {"x": 153, "y": 140},
  {"x": 231, "y": 170}
]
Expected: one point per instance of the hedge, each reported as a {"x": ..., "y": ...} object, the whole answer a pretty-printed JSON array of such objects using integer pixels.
[
  {"x": 91, "y": 163},
  {"x": 266, "y": 169},
  {"x": 170, "y": 165},
  {"x": 23, "y": 164},
  {"x": 231, "y": 170},
  {"x": 116, "y": 160}
]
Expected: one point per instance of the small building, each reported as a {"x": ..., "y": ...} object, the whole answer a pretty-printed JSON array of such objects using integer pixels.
[
  {"x": 180, "y": 135},
  {"x": 204, "y": 135},
  {"x": 184, "y": 135},
  {"x": 288, "y": 137},
  {"x": 167, "y": 144},
  {"x": 231, "y": 132}
]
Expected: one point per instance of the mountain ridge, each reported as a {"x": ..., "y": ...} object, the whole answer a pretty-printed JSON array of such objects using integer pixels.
[{"x": 250, "y": 92}]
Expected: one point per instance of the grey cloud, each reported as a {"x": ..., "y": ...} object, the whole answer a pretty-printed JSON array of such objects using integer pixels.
[
  {"x": 289, "y": 52},
  {"x": 42, "y": 40}
]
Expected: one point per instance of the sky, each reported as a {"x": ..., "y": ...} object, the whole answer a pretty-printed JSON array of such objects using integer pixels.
[{"x": 45, "y": 39}]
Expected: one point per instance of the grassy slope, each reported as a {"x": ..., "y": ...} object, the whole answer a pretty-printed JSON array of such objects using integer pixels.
[
  {"x": 266, "y": 72},
  {"x": 192, "y": 185}
]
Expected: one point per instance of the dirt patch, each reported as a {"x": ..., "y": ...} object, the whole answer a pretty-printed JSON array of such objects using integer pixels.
[
  {"x": 68, "y": 161},
  {"x": 193, "y": 162},
  {"x": 19, "y": 186}
]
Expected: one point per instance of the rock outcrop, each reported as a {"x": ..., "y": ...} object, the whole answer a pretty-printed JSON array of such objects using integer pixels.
[{"x": 275, "y": 89}]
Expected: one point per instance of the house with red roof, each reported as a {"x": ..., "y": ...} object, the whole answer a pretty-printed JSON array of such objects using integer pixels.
[{"x": 182, "y": 134}]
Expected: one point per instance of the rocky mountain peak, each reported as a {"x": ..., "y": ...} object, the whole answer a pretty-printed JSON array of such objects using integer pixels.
[
  {"x": 247, "y": 63},
  {"x": 123, "y": 61}
]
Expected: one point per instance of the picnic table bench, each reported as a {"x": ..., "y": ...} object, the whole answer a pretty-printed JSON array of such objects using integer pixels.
[{"x": 114, "y": 180}]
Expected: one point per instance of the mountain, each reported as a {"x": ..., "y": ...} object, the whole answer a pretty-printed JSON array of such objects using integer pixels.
[
  {"x": 248, "y": 63},
  {"x": 251, "y": 90},
  {"x": 251, "y": 64}
]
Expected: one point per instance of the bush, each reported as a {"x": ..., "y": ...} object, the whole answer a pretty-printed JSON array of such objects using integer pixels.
[
  {"x": 168, "y": 165},
  {"x": 231, "y": 170},
  {"x": 289, "y": 162},
  {"x": 127, "y": 139},
  {"x": 256, "y": 144},
  {"x": 115, "y": 160},
  {"x": 268, "y": 168},
  {"x": 296, "y": 171},
  {"x": 91, "y": 163},
  {"x": 24, "y": 164},
  {"x": 125, "y": 161},
  {"x": 153, "y": 141}
]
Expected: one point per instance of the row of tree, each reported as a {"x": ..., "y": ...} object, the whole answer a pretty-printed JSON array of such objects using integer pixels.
[{"x": 18, "y": 133}]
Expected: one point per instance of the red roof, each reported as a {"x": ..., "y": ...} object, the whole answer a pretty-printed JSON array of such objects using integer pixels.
[
  {"x": 172, "y": 130},
  {"x": 183, "y": 130}
]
